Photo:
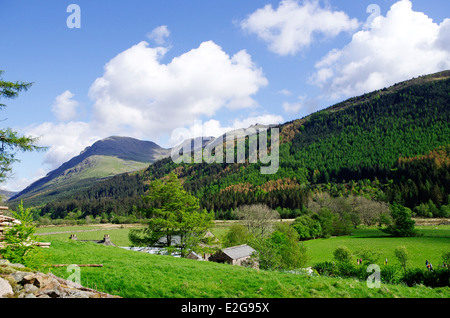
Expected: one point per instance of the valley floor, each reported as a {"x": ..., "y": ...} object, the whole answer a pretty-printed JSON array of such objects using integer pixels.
[{"x": 140, "y": 275}]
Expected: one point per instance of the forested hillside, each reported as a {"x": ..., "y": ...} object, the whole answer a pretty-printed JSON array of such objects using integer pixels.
[{"x": 392, "y": 144}]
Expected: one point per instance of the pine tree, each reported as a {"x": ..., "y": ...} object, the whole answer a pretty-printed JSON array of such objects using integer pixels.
[{"x": 10, "y": 140}]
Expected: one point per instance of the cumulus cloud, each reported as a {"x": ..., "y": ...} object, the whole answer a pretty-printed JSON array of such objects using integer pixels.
[
  {"x": 293, "y": 27},
  {"x": 401, "y": 45},
  {"x": 64, "y": 107},
  {"x": 159, "y": 34},
  {"x": 143, "y": 97},
  {"x": 14, "y": 183},
  {"x": 443, "y": 40},
  {"x": 65, "y": 140}
]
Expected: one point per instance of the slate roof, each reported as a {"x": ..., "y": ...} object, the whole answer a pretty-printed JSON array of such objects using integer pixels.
[{"x": 240, "y": 251}]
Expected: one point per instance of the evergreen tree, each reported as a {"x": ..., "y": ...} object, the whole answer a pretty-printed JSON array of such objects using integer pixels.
[
  {"x": 402, "y": 224},
  {"x": 10, "y": 140},
  {"x": 176, "y": 219}
]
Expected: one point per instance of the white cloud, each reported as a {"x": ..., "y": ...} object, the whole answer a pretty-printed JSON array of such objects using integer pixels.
[
  {"x": 304, "y": 103},
  {"x": 443, "y": 40},
  {"x": 65, "y": 140},
  {"x": 14, "y": 183},
  {"x": 292, "y": 107},
  {"x": 285, "y": 92},
  {"x": 145, "y": 98},
  {"x": 64, "y": 107},
  {"x": 293, "y": 27},
  {"x": 159, "y": 34},
  {"x": 397, "y": 47}
]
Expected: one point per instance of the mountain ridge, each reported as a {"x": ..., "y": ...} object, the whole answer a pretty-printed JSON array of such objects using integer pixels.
[{"x": 126, "y": 149}]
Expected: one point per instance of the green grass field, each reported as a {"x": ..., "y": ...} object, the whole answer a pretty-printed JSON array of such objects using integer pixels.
[
  {"x": 430, "y": 246},
  {"x": 140, "y": 275}
]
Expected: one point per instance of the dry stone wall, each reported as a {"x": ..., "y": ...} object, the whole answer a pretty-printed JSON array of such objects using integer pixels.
[{"x": 16, "y": 281}]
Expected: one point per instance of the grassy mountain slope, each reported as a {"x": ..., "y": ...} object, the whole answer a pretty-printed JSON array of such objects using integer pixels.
[{"x": 355, "y": 146}]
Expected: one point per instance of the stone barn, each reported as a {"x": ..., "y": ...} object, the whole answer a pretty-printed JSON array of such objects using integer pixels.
[{"x": 235, "y": 255}]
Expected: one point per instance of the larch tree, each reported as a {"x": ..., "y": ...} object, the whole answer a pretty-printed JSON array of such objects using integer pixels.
[{"x": 11, "y": 141}]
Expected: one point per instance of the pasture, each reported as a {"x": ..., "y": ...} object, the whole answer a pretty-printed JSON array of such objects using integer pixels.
[{"x": 141, "y": 275}]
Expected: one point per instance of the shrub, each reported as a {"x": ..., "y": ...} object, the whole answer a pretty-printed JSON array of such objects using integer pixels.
[
  {"x": 266, "y": 253},
  {"x": 342, "y": 254},
  {"x": 307, "y": 228},
  {"x": 413, "y": 276},
  {"x": 237, "y": 234},
  {"x": 389, "y": 274},
  {"x": 346, "y": 269},
  {"x": 20, "y": 239},
  {"x": 341, "y": 269},
  {"x": 325, "y": 268},
  {"x": 402, "y": 225},
  {"x": 439, "y": 277},
  {"x": 369, "y": 255},
  {"x": 280, "y": 251},
  {"x": 446, "y": 258},
  {"x": 402, "y": 255}
]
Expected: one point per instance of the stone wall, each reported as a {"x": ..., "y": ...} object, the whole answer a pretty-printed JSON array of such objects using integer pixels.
[{"x": 16, "y": 281}]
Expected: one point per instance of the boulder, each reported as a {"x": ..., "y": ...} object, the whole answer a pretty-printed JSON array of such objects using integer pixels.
[{"x": 5, "y": 288}]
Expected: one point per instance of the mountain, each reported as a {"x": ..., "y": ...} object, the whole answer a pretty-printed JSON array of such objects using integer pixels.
[
  {"x": 105, "y": 158},
  {"x": 390, "y": 144},
  {"x": 5, "y": 194}
]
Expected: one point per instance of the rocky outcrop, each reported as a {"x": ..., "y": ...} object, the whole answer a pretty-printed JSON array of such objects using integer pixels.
[{"x": 17, "y": 281}]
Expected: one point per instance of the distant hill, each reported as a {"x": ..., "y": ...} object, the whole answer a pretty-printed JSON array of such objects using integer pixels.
[
  {"x": 389, "y": 144},
  {"x": 5, "y": 194},
  {"x": 105, "y": 158}
]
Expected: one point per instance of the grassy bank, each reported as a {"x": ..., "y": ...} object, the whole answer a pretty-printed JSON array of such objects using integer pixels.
[{"x": 140, "y": 275}]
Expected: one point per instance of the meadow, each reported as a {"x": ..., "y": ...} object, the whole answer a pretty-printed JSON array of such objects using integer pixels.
[
  {"x": 430, "y": 245},
  {"x": 133, "y": 274}
]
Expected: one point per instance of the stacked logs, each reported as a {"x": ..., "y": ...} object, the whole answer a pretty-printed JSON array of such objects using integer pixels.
[{"x": 7, "y": 221}]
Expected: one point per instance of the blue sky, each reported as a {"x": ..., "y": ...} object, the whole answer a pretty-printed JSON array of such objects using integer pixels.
[{"x": 147, "y": 68}]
